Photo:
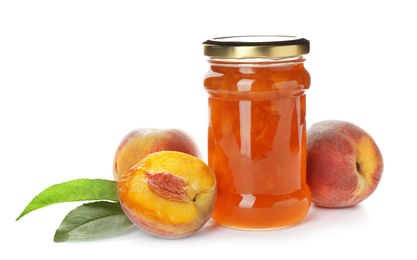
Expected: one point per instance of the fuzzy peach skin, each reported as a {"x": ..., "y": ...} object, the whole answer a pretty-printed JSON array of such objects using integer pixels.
[
  {"x": 140, "y": 142},
  {"x": 344, "y": 164},
  {"x": 168, "y": 194}
]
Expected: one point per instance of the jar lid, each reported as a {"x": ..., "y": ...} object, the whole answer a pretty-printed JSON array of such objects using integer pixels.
[{"x": 256, "y": 46}]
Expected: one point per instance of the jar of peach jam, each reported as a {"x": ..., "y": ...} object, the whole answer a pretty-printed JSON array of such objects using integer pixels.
[{"x": 257, "y": 130}]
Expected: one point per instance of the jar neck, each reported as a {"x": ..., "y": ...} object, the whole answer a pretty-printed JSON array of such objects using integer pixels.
[{"x": 256, "y": 62}]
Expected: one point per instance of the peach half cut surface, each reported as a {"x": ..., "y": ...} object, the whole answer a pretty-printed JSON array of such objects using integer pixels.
[
  {"x": 168, "y": 194},
  {"x": 344, "y": 164},
  {"x": 140, "y": 142}
]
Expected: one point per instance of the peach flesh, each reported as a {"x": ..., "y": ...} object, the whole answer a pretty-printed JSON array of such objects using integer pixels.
[{"x": 168, "y": 194}]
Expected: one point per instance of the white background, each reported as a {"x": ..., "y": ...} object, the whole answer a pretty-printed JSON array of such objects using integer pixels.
[{"x": 76, "y": 76}]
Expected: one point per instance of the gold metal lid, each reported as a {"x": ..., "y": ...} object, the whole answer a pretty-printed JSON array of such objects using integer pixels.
[{"x": 256, "y": 46}]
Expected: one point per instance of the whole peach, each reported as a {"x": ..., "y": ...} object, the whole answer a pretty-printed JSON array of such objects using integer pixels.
[
  {"x": 140, "y": 142},
  {"x": 168, "y": 194},
  {"x": 344, "y": 164}
]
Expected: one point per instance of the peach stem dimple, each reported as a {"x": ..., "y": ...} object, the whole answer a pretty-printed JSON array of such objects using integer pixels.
[{"x": 168, "y": 186}]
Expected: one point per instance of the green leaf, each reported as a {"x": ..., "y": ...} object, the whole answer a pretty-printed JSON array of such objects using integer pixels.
[
  {"x": 92, "y": 220},
  {"x": 75, "y": 190}
]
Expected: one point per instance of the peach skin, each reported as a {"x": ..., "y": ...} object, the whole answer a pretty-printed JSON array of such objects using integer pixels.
[
  {"x": 344, "y": 164},
  {"x": 140, "y": 142}
]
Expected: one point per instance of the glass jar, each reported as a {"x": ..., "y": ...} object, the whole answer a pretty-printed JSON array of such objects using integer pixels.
[{"x": 257, "y": 130}]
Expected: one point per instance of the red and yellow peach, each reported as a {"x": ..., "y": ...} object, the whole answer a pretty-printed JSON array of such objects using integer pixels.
[
  {"x": 140, "y": 142},
  {"x": 344, "y": 164}
]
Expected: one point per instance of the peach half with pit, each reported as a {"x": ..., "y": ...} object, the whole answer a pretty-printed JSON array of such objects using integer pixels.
[
  {"x": 168, "y": 194},
  {"x": 344, "y": 163},
  {"x": 140, "y": 142}
]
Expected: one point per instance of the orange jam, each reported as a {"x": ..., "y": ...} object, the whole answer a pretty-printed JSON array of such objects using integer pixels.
[{"x": 257, "y": 130}]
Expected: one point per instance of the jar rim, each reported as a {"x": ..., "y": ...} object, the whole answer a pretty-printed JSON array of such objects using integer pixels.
[{"x": 256, "y": 46}]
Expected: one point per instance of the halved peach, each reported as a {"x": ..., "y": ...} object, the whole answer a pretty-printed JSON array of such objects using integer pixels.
[{"x": 168, "y": 194}]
